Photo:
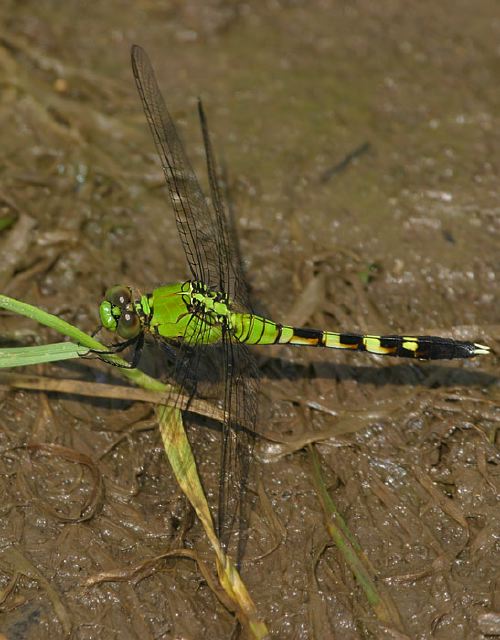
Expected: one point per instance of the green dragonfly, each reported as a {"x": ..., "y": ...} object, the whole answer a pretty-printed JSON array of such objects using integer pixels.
[{"x": 212, "y": 308}]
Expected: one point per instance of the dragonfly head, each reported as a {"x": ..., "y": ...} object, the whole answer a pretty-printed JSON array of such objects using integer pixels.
[{"x": 118, "y": 312}]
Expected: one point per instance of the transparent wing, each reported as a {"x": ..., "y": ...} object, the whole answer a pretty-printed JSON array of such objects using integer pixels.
[
  {"x": 212, "y": 260},
  {"x": 241, "y": 392},
  {"x": 241, "y": 389},
  {"x": 229, "y": 262},
  {"x": 195, "y": 221}
]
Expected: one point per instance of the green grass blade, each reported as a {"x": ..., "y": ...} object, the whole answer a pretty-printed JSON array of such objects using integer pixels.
[
  {"x": 180, "y": 456},
  {"x": 380, "y": 601},
  {"x": 23, "y": 356},
  {"x": 49, "y": 320}
]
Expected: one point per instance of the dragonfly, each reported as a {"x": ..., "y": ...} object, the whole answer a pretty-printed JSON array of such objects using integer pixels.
[{"x": 212, "y": 308}]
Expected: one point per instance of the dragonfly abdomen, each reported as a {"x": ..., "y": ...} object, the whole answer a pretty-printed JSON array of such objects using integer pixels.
[
  {"x": 252, "y": 329},
  {"x": 420, "y": 347}
]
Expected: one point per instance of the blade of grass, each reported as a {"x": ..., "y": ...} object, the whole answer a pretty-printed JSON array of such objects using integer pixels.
[
  {"x": 110, "y": 391},
  {"x": 49, "y": 320},
  {"x": 352, "y": 552},
  {"x": 23, "y": 356},
  {"x": 182, "y": 461}
]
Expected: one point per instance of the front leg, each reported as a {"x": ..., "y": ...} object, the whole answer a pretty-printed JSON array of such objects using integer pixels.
[{"x": 137, "y": 341}]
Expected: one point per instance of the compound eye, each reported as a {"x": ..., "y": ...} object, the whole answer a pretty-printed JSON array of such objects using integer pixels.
[
  {"x": 106, "y": 314},
  {"x": 129, "y": 325},
  {"x": 118, "y": 296}
]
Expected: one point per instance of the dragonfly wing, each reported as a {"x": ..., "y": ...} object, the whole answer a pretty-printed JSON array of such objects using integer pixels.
[
  {"x": 195, "y": 221},
  {"x": 241, "y": 373},
  {"x": 238, "y": 440},
  {"x": 229, "y": 264}
]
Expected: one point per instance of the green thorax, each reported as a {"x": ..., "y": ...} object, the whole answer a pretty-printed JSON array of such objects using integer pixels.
[{"x": 187, "y": 310}]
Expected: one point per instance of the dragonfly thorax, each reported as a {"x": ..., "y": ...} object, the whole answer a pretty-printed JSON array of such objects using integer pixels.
[{"x": 207, "y": 300}]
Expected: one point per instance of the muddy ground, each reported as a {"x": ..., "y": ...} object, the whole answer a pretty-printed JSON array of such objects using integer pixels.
[{"x": 360, "y": 142}]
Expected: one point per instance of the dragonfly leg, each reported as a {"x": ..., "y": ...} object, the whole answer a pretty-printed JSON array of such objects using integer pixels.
[
  {"x": 96, "y": 331},
  {"x": 118, "y": 347},
  {"x": 138, "y": 341},
  {"x": 139, "y": 346}
]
